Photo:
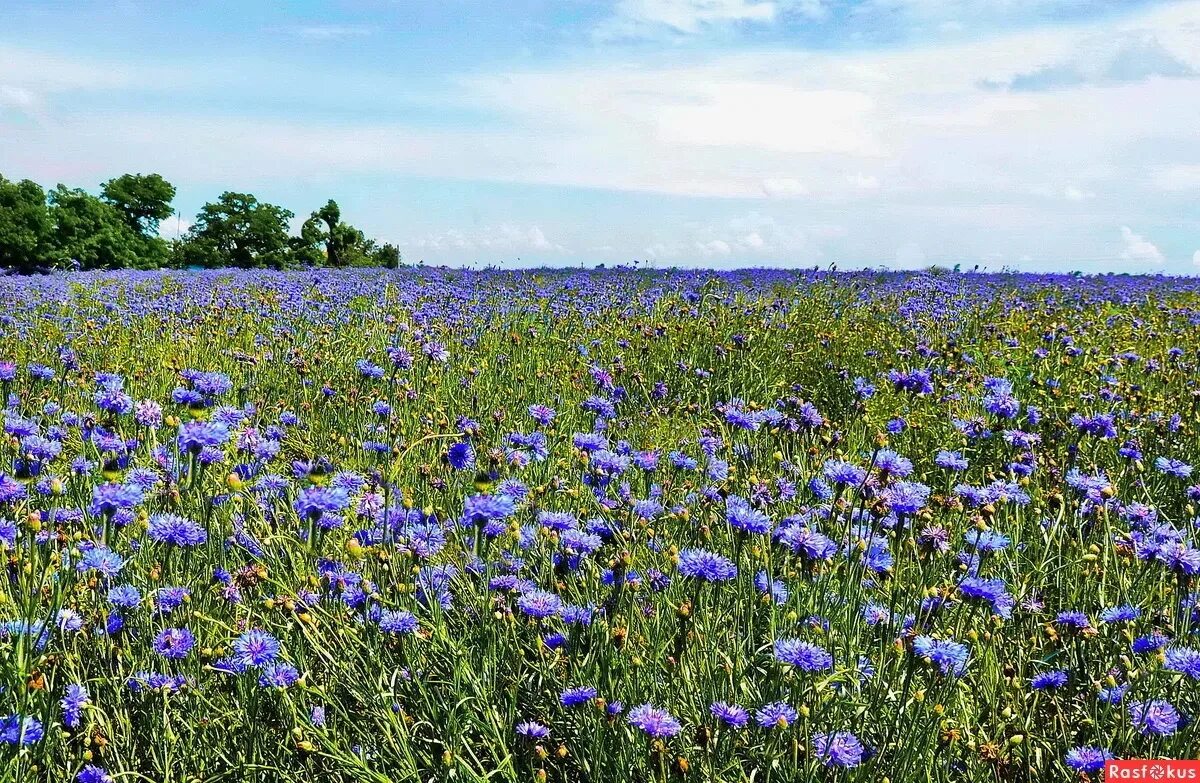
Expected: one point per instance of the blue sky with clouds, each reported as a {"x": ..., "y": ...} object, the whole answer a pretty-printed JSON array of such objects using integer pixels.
[{"x": 1031, "y": 134}]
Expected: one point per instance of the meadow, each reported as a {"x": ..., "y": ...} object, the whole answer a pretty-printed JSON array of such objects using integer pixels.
[{"x": 430, "y": 524}]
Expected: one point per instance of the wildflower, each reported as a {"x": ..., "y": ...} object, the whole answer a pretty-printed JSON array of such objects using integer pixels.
[
  {"x": 1049, "y": 680},
  {"x": 1088, "y": 759},
  {"x": 949, "y": 656},
  {"x": 777, "y": 714},
  {"x": 539, "y": 603},
  {"x": 93, "y": 774},
  {"x": 655, "y": 722},
  {"x": 1185, "y": 660},
  {"x": 839, "y": 749},
  {"x": 705, "y": 565},
  {"x": 733, "y": 715},
  {"x": 174, "y": 642},
  {"x": 255, "y": 648},
  {"x": 1154, "y": 717},
  {"x": 533, "y": 730},
  {"x": 74, "y": 699},
  {"x": 18, "y": 730},
  {"x": 397, "y": 622},
  {"x": 573, "y": 697},
  {"x": 803, "y": 655}
]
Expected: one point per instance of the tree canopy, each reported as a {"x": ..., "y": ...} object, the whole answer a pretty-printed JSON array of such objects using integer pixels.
[{"x": 70, "y": 228}]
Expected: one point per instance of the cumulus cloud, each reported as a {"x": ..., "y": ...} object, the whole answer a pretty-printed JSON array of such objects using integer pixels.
[
  {"x": 1136, "y": 247},
  {"x": 507, "y": 237},
  {"x": 1136, "y": 58}
]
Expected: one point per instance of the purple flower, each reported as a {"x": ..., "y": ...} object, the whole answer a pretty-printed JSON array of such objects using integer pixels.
[
  {"x": 1154, "y": 717},
  {"x": 733, "y": 715},
  {"x": 777, "y": 714},
  {"x": 839, "y": 749},
  {"x": 803, "y": 655},
  {"x": 174, "y": 643},
  {"x": 654, "y": 721}
]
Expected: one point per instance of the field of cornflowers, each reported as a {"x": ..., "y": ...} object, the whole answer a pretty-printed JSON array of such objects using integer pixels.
[{"x": 595, "y": 526}]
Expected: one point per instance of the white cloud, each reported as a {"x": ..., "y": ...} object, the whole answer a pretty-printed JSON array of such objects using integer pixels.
[
  {"x": 1196, "y": 258},
  {"x": 503, "y": 237},
  {"x": 783, "y": 187},
  {"x": 1136, "y": 247},
  {"x": 864, "y": 182},
  {"x": 642, "y": 17},
  {"x": 174, "y": 227},
  {"x": 714, "y": 247},
  {"x": 1072, "y": 193},
  {"x": 17, "y": 97},
  {"x": 329, "y": 32},
  {"x": 1177, "y": 177}
]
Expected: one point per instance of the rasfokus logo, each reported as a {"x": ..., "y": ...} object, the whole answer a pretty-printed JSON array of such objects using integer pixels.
[{"x": 1151, "y": 770}]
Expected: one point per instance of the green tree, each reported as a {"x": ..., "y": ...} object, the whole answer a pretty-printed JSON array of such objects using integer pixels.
[
  {"x": 26, "y": 228},
  {"x": 91, "y": 233},
  {"x": 239, "y": 230},
  {"x": 343, "y": 244},
  {"x": 387, "y": 256},
  {"x": 144, "y": 200}
]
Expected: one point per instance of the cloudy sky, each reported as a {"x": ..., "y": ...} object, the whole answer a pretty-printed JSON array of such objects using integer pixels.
[{"x": 1031, "y": 134}]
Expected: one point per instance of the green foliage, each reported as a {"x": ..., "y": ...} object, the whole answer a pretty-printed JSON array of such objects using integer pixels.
[
  {"x": 239, "y": 230},
  {"x": 90, "y": 233},
  {"x": 26, "y": 227},
  {"x": 69, "y": 228}
]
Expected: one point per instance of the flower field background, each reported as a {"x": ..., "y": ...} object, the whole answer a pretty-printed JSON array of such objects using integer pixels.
[{"x": 425, "y": 524}]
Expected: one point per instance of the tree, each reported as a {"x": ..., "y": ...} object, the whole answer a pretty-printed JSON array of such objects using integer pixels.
[
  {"x": 143, "y": 199},
  {"x": 90, "y": 233},
  {"x": 26, "y": 228},
  {"x": 238, "y": 230},
  {"x": 387, "y": 256},
  {"x": 344, "y": 245}
]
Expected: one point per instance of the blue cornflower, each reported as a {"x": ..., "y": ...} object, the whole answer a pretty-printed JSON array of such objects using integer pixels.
[
  {"x": 742, "y": 516},
  {"x": 533, "y": 730},
  {"x": 1120, "y": 614},
  {"x": 803, "y": 655},
  {"x": 174, "y": 642},
  {"x": 539, "y": 603},
  {"x": 573, "y": 697},
  {"x": 255, "y": 648},
  {"x": 278, "y": 674},
  {"x": 18, "y": 730},
  {"x": 949, "y": 656},
  {"x": 654, "y": 721},
  {"x": 100, "y": 559},
  {"x": 1173, "y": 467},
  {"x": 1089, "y": 759},
  {"x": 392, "y": 621},
  {"x": 733, "y": 715},
  {"x": 1154, "y": 717},
  {"x": 777, "y": 714},
  {"x": 461, "y": 455},
  {"x": 1049, "y": 680},
  {"x": 844, "y": 473},
  {"x": 93, "y": 774},
  {"x": 838, "y": 749},
  {"x": 705, "y": 565},
  {"x": 75, "y": 698},
  {"x": 1185, "y": 660},
  {"x": 174, "y": 529}
]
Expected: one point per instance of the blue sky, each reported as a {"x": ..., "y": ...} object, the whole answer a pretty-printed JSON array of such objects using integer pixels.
[{"x": 1031, "y": 134}]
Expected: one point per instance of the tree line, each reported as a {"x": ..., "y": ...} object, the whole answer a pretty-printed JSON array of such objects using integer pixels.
[{"x": 70, "y": 228}]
